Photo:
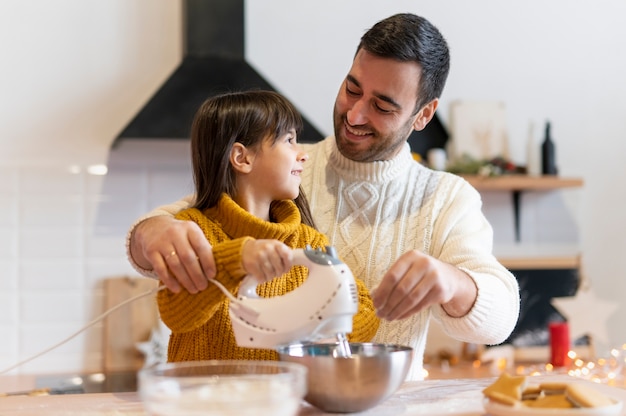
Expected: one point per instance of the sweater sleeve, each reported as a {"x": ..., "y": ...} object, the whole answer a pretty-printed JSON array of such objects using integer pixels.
[
  {"x": 463, "y": 237},
  {"x": 365, "y": 323},
  {"x": 183, "y": 311}
]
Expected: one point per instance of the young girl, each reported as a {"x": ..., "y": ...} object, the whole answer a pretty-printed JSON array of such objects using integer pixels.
[{"x": 247, "y": 167}]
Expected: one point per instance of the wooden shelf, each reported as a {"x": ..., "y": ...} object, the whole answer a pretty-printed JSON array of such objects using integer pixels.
[
  {"x": 521, "y": 182},
  {"x": 541, "y": 263},
  {"x": 518, "y": 184}
]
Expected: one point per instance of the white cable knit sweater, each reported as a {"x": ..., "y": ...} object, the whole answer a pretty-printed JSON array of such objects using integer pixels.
[{"x": 374, "y": 212}]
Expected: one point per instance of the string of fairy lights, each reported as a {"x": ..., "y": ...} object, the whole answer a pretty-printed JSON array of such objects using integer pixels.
[{"x": 609, "y": 369}]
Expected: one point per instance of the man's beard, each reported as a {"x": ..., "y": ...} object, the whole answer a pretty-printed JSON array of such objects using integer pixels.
[{"x": 380, "y": 147}]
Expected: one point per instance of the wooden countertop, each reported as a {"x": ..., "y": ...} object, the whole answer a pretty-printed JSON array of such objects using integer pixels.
[
  {"x": 17, "y": 383},
  {"x": 449, "y": 396}
]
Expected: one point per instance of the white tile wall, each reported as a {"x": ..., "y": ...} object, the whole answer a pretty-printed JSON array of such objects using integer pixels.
[
  {"x": 8, "y": 209},
  {"x": 8, "y": 273},
  {"x": 9, "y": 348},
  {"x": 8, "y": 243},
  {"x": 8, "y": 184},
  {"x": 8, "y": 307},
  {"x": 62, "y": 233}
]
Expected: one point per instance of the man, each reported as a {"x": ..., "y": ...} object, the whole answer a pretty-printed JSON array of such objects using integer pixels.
[{"x": 417, "y": 237}]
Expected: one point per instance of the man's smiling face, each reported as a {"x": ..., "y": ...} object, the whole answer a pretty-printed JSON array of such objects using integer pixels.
[{"x": 374, "y": 111}]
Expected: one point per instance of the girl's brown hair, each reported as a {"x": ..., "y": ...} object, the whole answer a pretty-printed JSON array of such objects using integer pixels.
[{"x": 247, "y": 117}]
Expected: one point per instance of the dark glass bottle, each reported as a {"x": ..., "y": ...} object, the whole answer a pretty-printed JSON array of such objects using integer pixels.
[{"x": 548, "y": 162}]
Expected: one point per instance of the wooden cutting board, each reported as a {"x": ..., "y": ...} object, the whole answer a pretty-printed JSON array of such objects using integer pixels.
[{"x": 130, "y": 324}]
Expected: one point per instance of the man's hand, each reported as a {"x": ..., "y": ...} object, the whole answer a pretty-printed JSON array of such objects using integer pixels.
[
  {"x": 416, "y": 281},
  {"x": 177, "y": 251}
]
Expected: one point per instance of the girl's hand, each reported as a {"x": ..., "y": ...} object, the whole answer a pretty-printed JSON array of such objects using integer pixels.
[{"x": 266, "y": 259}]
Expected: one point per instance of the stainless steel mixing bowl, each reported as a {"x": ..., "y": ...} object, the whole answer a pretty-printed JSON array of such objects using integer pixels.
[{"x": 350, "y": 384}]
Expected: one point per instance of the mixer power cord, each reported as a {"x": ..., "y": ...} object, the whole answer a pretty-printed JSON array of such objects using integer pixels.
[{"x": 90, "y": 324}]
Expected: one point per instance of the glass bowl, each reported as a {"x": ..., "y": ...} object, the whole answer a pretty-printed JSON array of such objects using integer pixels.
[{"x": 223, "y": 387}]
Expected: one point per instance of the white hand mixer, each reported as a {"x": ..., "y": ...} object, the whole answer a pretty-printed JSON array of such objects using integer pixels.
[{"x": 322, "y": 307}]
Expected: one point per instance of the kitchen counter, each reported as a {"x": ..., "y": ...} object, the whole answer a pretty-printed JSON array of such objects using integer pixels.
[{"x": 450, "y": 396}]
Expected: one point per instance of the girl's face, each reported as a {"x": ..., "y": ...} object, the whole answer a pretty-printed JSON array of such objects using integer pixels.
[{"x": 277, "y": 167}]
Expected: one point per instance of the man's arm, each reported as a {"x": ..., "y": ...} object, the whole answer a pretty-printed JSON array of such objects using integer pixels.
[
  {"x": 477, "y": 298},
  {"x": 177, "y": 252}
]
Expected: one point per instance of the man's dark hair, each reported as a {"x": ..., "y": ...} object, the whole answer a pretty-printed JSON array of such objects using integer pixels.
[{"x": 407, "y": 37}]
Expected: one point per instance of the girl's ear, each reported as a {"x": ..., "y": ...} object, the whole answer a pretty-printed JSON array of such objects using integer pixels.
[{"x": 241, "y": 158}]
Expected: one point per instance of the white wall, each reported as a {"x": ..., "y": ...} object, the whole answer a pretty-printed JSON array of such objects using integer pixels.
[{"x": 74, "y": 72}]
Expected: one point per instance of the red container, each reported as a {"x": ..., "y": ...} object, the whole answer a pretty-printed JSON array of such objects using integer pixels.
[{"x": 559, "y": 344}]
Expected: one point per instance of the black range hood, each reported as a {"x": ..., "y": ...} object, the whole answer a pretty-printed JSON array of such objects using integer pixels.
[{"x": 213, "y": 63}]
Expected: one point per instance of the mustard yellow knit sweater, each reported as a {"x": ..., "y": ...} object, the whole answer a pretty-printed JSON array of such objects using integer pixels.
[{"x": 200, "y": 324}]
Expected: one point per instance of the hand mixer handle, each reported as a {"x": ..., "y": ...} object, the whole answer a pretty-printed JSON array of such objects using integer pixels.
[{"x": 247, "y": 289}]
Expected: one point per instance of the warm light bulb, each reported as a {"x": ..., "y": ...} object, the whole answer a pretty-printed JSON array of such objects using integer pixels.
[{"x": 97, "y": 170}]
